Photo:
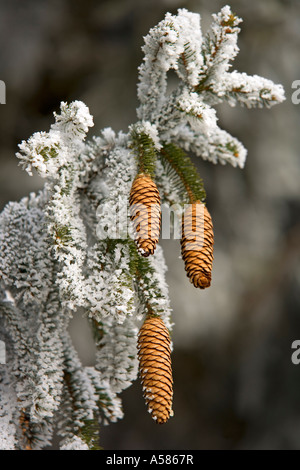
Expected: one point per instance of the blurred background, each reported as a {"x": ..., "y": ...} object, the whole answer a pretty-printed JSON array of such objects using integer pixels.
[{"x": 235, "y": 384}]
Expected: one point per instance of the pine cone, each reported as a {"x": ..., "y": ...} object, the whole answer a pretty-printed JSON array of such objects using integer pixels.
[
  {"x": 154, "y": 353},
  {"x": 197, "y": 244},
  {"x": 145, "y": 213}
]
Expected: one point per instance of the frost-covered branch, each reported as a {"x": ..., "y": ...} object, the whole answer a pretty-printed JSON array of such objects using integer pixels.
[{"x": 72, "y": 248}]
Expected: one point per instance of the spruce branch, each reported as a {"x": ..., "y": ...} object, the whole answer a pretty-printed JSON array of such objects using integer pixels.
[
  {"x": 109, "y": 404},
  {"x": 79, "y": 398},
  {"x": 219, "y": 147},
  {"x": 219, "y": 47},
  {"x": 145, "y": 143},
  {"x": 183, "y": 173},
  {"x": 116, "y": 353},
  {"x": 150, "y": 284},
  {"x": 71, "y": 246},
  {"x": 109, "y": 287},
  {"x": 250, "y": 91},
  {"x": 9, "y": 424}
]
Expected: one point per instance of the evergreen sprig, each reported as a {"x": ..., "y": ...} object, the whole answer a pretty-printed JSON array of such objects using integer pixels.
[
  {"x": 146, "y": 152},
  {"x": 89, "y": 433},
  {"x": 183, "y": 172},
  {"x": 142, "y": 272},
  {"x": 151, "y": 294}
]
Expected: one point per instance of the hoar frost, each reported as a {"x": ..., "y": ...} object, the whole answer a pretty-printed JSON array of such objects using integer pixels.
[{"x": 53, "y": 263}]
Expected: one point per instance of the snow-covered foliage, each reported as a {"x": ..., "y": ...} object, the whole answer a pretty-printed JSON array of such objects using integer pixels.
[{"x": 70, "y": 246}]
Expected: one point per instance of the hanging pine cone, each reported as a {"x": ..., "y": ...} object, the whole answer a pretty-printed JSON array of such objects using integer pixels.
[
  {"x": 145, "y": 213},
  {"x": 197, "y": 244},
  {"x": 154, "y": 353}
]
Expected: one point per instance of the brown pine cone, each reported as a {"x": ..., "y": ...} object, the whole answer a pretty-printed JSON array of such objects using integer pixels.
[
  {"x": 145, "y": 213},
  {"x": 154, "y": 353},
  {"x": 197, "y": 244}
]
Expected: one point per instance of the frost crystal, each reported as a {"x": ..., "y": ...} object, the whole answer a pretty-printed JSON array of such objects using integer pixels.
[
  {"x": 70, "y": 247},
  {"x": 74, "y": 443}
]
